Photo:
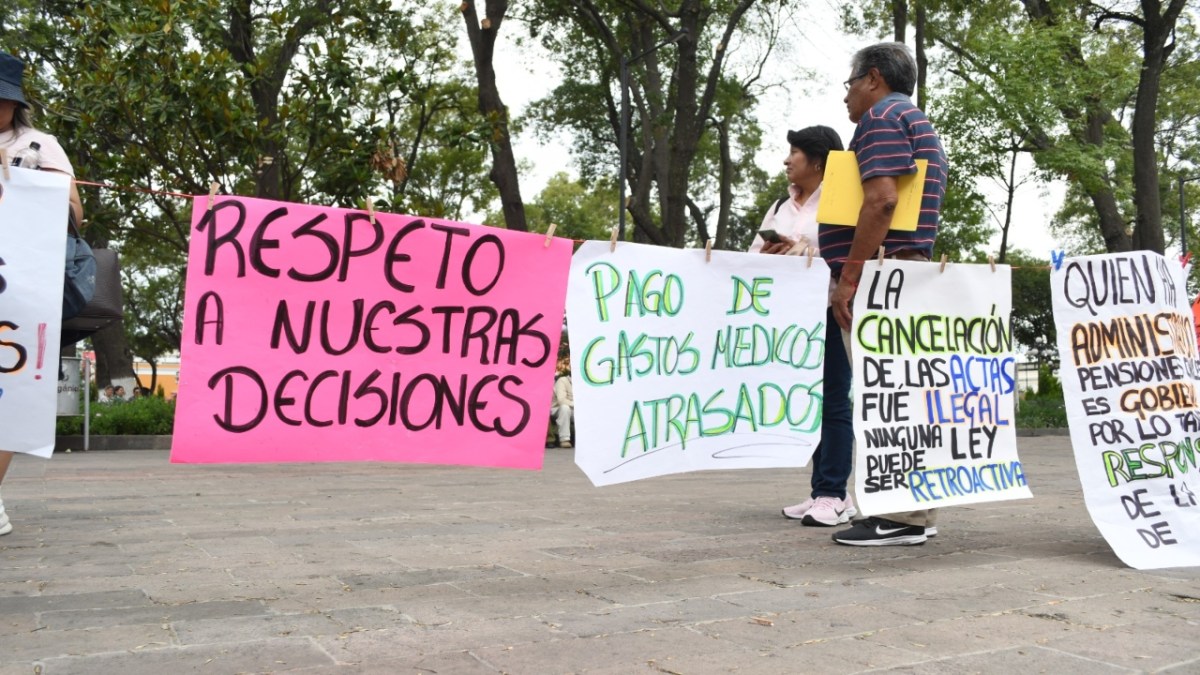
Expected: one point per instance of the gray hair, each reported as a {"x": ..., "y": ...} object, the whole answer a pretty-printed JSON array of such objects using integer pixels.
[{"x": 894, "y": 62}]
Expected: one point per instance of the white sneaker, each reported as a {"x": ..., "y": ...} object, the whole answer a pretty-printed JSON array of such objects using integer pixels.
[
  {"x": 5, "y": 525},
  {"x": 797, "y": 512},
  {"x": 830, "y": 511}
]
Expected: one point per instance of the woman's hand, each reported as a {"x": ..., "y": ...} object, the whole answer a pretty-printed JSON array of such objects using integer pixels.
[{"x": 780, "y": 247}]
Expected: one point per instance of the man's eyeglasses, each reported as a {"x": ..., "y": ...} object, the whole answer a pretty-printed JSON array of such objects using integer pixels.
[{"x": 850, "y": 81}]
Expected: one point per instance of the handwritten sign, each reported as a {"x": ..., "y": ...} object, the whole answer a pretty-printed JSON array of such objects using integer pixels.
[
  {"x": 316, "y": 334},
  {"x": 1129, "y": 372},
  {"x": 934, "y": 377},
  {"x": 33, "y": 239},
  {"x": 680, "y": 364}
]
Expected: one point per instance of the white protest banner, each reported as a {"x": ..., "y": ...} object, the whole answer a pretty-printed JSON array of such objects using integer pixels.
[
  {"x": 680, "y": 364},
  {"x": 934, "y": 376},
  {"x": 33, "y": 231},
  {"x": 1129, "y": 370}
]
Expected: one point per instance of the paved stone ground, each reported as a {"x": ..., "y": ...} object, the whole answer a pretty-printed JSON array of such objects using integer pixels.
[{"x": 123, "y": 563}]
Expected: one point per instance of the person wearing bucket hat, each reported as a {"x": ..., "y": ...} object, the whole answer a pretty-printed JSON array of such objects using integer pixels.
[
  {"x": 791, "y": 224},
  {"x": 17, "y": 133}
]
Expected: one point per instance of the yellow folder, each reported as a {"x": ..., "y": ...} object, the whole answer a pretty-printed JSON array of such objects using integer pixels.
[{"x": 842, "y": 193}]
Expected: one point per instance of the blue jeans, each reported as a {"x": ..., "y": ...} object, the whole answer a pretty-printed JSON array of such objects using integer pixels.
[{"x": 834, "y": 458}]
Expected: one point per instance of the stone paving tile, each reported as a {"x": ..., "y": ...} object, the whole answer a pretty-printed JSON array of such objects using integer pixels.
[
  {"x": 753, "y": 569},
  {"x": 305, "y": 600},
  {"x": 102, "y": 600},
  {"x": 1110, "y": 610},
  {"x": 175, "y": 589},
  {"x": 815, "y": 596},
  {"x": 940, "y": 581},
  {"x": 666, "y": 591},
  {"x": 644, "y": 617},
  {"x": 264, "y": 656},
  {"x": 844, "y": 655},
  {"x": 1141, "y": 646},
  {"x": 669, "y": 649},
  {"x": 44, "y": 644},
  {"x": 429, "y": 576},
  {"x": 775, "y": 630},
  {"x": 1190, "y": 665},
  {"x": 512, "y": 606},
  {"x": 130, "y": 616},
  {"x": 1007, "y": 661},
  {"x": 241, "y": 629},
  {"x": 372, "y": 645},
  {"x": 939, "y": 639},
  {"x": 959, "y": 603}
]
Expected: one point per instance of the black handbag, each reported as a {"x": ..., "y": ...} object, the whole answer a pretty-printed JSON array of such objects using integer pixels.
[
  {"x": 106, "y": 304},
  {"x": 79, "y": 276}
]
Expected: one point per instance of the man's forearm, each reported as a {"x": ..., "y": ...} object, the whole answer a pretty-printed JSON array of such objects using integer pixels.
[{"x": 874, "y": 219}]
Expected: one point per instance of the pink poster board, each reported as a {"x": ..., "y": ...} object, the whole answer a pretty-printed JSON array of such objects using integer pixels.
[{"x": 312, "y": 334}]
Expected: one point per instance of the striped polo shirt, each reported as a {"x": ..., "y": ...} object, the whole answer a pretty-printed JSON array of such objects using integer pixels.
[{"x": 887, "y": 141}]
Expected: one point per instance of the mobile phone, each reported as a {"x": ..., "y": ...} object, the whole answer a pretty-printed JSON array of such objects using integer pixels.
[{"x": 770, "y": 236}]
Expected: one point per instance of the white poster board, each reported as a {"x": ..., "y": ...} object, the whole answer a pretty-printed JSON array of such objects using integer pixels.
[
  {"x": 679, "y": 364},
  {"x": 33, "y": 230},
  {"x": 934, "y": 379},
  {"x": 1129, "y": 371}
]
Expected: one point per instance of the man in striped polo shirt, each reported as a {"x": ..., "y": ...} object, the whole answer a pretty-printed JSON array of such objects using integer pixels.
[{"x": 891, "y": 135}]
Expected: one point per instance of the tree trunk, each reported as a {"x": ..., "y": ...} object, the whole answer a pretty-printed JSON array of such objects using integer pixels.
[
  {"x": 726, "y": 184},
  {"x": 899, "y": 19},
  {"x": 922, "y": 59},
  {"x": 153, "y": 377},
  {"x": 114, "y": 360},
  {"x": 266, "y": 74},
  {"x": 1008, "y": 205},
  {"x": 482, "y": 36},
  {"x": 1156, "y": 29}
]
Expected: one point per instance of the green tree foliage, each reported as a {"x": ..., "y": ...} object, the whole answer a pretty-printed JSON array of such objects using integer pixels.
[
  {"x": 692, "y": 137},
  {"x": 766, "y": 191},
  {"x": 1032, "y": 313},
  {"x": 1092, "y": 90},
  {"x": 579, "y": 209},
  {"x": 1102, "y": 95}
]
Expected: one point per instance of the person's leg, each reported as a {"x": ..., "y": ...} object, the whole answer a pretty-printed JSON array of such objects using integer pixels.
[
  {"x": 5, "y": 460},
  {"x": 834, "y": 456},
  {"x": 922, "y": 518},
  {"x": 562, "y": 417},
  {"x": 835, "y": 453}
]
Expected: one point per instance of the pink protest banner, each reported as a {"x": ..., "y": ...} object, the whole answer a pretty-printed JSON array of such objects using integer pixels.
[{"x": 314, "y": 334}]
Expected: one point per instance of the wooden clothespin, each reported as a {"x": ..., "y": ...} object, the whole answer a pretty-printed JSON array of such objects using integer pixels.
[
  {"x": 550, "y": 234},
  {"x": 613, "y": 248},
  {"x": 212, "y": 193},
  {"x": 944, "y": 258},
  {"x": 881, "y": 256},
  {"x": 708, "y": 251},
  {"x": 992, "y": 262},
  {"x": 4, "y": 163},
  {"x": 370, "y": 209},
  {"x": 808, "y": 251}
]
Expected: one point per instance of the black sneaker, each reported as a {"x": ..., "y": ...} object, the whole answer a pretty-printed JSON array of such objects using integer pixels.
[{"x": 881, "y": 532}]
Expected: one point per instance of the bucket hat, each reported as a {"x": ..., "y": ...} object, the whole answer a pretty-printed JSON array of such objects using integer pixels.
[{"x": 12, "y": 71}]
